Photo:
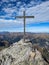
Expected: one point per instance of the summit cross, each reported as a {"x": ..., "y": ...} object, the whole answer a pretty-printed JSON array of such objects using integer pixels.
[{"x": 24, "y": 21}]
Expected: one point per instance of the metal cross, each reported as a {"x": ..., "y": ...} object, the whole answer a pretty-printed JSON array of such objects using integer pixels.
[{"x": 24, "y": 21}]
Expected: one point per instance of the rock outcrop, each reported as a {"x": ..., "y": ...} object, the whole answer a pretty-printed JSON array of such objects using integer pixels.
[{"x": 21, "y": 54}]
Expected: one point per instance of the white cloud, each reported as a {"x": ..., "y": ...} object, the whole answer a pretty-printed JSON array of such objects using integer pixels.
[
  {"x": 10, "y": 25},
  {"x": 5, "y": 0},
  {"x": 8, "y": 0},
  {"x": 14, "y": 21},
  {"x": 41, "y": 12},
  {"x": 18, "y": 3},
  {"x": 9, "y": 10}
]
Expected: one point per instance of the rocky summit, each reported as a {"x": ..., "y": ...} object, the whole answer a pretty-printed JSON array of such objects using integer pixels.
[{"x": 21, "y": 53}]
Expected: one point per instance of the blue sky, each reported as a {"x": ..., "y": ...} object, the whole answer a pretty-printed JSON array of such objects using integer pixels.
[{"x": 9, "y": 9}]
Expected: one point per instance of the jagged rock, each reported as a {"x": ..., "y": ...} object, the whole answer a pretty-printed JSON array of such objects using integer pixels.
[{"x": 21, "y": 54}]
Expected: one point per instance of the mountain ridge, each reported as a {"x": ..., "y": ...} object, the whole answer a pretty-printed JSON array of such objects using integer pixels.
[{"x": 21, "y": 53}]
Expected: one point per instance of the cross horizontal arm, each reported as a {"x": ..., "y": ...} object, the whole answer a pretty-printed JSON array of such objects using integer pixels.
[
  {"x": 29, "y": 16},
  {"x": 24, "y": 16},
  {"x": 19, "y": 16}
]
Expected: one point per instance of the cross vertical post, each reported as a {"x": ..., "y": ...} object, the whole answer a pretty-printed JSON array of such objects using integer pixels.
[
  {"x": 24, "y": 25},
  {"x": 24, "y": 17}
]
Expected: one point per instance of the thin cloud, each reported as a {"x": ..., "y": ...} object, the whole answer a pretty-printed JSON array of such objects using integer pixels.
[{"x": 40, "y": 11}]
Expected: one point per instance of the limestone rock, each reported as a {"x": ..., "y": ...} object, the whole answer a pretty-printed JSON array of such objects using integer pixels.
[{"x": 20, "y": 53}]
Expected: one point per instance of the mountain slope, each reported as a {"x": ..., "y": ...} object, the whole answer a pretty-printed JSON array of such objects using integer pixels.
[{"x": 21, "y": 54}]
